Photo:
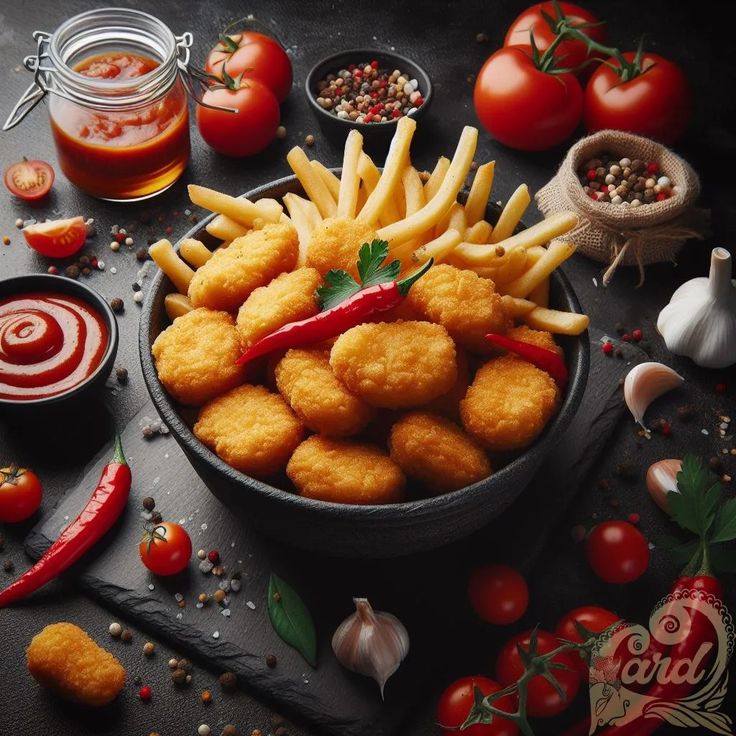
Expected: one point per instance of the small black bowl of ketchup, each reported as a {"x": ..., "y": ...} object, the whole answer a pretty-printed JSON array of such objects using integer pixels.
[{"x": 58, "y": 341}]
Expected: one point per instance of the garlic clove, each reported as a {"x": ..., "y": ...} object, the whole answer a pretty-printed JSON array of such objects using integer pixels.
[
  {"x": 372, "y": 643},
  {"x": 646, "y": 382},
  {"x": 661, "y": 480}
]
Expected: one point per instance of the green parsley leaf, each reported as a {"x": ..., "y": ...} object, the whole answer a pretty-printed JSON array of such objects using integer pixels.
[
  {"x": 725, "y": 527},
  {"x": 694, "y": 507},
  {"x": 370, "y": 258},
  {"x": 339, "y": 285}
]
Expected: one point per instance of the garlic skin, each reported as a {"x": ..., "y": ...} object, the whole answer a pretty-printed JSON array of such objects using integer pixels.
[
  {"x": 700, "y": 320},
  {"x": 372, "y": 643},
  {"x": 646, "y": 382},
  {"x": 661, "y": 480}
]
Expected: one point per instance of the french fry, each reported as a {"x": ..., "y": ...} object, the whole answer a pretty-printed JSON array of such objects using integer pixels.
[
  {"x": 240, "y": 209},
  {"x": 347, "y": 197},
  {"x": 194, "y": 252},
  {"x": 438, "y": 248},
  {"x": 557, "y": 252},
  {"x": 164, "y": 255},
  {"x": 421, "y": 221},
  {"x": 312, "y": 182},
  {"x": 511, "y": 214},
  {"x": 370, "y": 175},
  {"x": 480, "y": 191},
  {"x": 177, "y": 305},
  {"x": 559, "y": 323},
  {"x": 453, "y": 219},
  {"x": 413, "y": 190},
  {"x": 511, "y": 268},
  {"x": 328, "y": 177},
  {"x": 515, "y": 307},
  {"x": 540, "y": 294},
  {"x": 398, "y": 155},
  {"x": 224, "y": 228},
  {"x": 479, "y": 233},
  {"x": 305, "y": 217},
  {"x": 436, "y": 178}
]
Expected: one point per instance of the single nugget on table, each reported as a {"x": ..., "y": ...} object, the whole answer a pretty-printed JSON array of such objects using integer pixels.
[
  {"x": 251, "y": 429},
  {"x": 436, "y": 452},
  {"x": 65, "y": 659},
  {"x": 195, "y": 356},
  {"x": 335, "y": 243},
  {"x": 228, "y": 278},
  {"x": 304, "y": 378},
  {"x": 395, "y": 365},
  {"x": 345, "y": 472},
  {"x": 288, "y": 298},
  {"x": 467, "y": 305},
  {"x": 509, "y": 403}
]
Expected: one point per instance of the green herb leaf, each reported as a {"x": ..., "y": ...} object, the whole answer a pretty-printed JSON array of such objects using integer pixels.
[
  {"x": 725, "y": 527},
  {"x": 370, "y": 258},
  {"x": 694, "y": 508},
  {"x": 291, "y": 619},
  {"x": 339, "y": 285}
]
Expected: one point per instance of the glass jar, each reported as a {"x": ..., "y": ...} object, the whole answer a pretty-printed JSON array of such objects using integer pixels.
[{"x": 118, "y": 106}]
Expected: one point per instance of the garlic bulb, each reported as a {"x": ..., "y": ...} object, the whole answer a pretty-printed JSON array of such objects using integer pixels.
[
  {"x": 700, "y": 320},
  {"x": 661, "y": 480},
  {"x": 371, "y": 643},
  {"x": 646, "y": 382}
]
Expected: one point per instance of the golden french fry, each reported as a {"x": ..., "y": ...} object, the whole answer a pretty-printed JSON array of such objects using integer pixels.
[
  {"x": 413, "y": 190},
  {"x": 480, "y": 191},
  {"x": 240, "y": 209},
  {"x": 370, "y": 175},
  {"x": 453, "y": 219},
  {"x": 194, "y": 252},
  {"x": 533, "y": 254},
  {"x": 398, "y": 155},
  {"x": 436, "y": 178},
  {"x": 511, "y": 268},
  {"x": 560, "y": 323},
  {"x": 438, "y": 248},
  {"x": 540, "y": 294},
  {"x": 168, "y": 261},
  {"x": 312, "y": 182},
  {"x": 328, "y": 177},
  {"x": 224, "y": 228},
  {"x": 557, "y": 252},
  {"x": 479, "y": 233},
  {"x": 305, "y": 217},
  {"x": 177, "y": 305},
  {"x": 511, "y": 214},
  {"x": 515, "y": 307},
  {"x": 347, "y": 196}
]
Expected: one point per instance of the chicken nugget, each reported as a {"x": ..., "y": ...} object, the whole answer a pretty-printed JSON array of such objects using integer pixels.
[
  {"x": 345, "y": 472},
  {"x": 395, "y": 365},
  {"x": 65, "y": 659},
  {"x": 228, "y": 278},
  {"x": 306, "y": 381},
  {"x": 467, "y": 305},
  {"x": 448, "y": 405},
  {"x": 335, "y": 243},
  {"x": 288, "y": 298},
  {"x": 436, "y": 452},
  {"x": 195, "y": 356},
  {"x": 509, "y": 403},
  {"x": 251, "y": 429},
  {"x": 540, "y": 338}
]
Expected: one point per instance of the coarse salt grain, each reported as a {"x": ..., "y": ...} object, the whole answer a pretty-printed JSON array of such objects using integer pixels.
[
  {"x": 225, "y": 612},
  {"x": 113, "y": 270},
  {"x": 251, "y": 605},
  {"x": 216, "y": 635},
  {"x": 151, "y": 586}
]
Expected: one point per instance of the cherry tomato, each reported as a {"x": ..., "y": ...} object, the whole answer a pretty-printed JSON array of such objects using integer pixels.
[
  {"x": 57, "y": 238},
  {"x": 498, "y": 594},
  {"x": 455, "y": 704},
  {"x": 20, "y": 494},
  {"x": 166, "y": 549},
  {"x": 617, "y": 551},
  {"x": 592, "y": 618},
  {"x": 29, "y": 180},
  {"x": 245, "y": 132},
  {"x": 570, "y": 53},
  {"x": 657, "y": 103},
  {"x": 522, "y": 107},
  {"x": 543, "y": 699},
  {"x": 255, "y": 55}
]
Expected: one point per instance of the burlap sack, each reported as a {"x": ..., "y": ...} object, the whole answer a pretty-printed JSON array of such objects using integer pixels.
[{"x": 621, "y": 235}]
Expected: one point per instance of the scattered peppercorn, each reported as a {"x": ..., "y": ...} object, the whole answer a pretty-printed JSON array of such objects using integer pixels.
[
  {"x": 179, "y": 676},
  {"x": 156, "y": 517},
  {"x": 637, "y": 334},
  {"x": 309, "y": 140},
  {"x": 270, "y": 661},
  {"x": 148, "y": 503},
  {"x": 122, "y": 375},
  {"x": 116, "y": 304},
  {"x": 136, "y": 286},
  {"x": 141, "y": 254},
  {"x": 607, "y": 347},
  {"x": 665, "y": 428},
  {"x": 145, "y": 693},
  {"x": 137, "y": 680},
  {"x": 204, "y": 730},
  {"x": 149, "y": 648},
  {"x": 19, "y": 223},
  {"x": 229, "y": 730},
  {"x": 182, "y": 603},
  {"x": 203, "y": 597},
  {"x": 218, "y": 596},
  {"x": 6, "y": 240},
  {"x": 206, "y": 696},
  {"x": 185, "y": 665},
  {"x": 228, "y": 681},
  {"x": 72, "y": 271},
  {"x": 256, "y": 732},
  {"x": 8, "y": 566},
  {"x": 213, "y": 556},
  {"x": 623, "y": 181},
  {"x": 115, "y": 629},
  {"x": 173, "y": 663},
  {"x": 201, "y": 554},
  {"x": 127, "y": 635},
  {"x": 281, "y": 132},
  {"x": 53, "y": 270},
  {"x": 634, "y": 518},
  {"x": 218, "y": 571}
]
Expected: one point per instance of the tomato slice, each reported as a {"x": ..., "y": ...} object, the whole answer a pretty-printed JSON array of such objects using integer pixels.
[
  {"x": 29, "y": 180},
  {"x": 57, "y": 238}
]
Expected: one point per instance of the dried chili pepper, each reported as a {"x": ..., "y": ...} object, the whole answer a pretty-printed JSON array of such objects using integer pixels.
[
  {"x": 546, "y": 360},
  {"x": 95, "y": 519}
]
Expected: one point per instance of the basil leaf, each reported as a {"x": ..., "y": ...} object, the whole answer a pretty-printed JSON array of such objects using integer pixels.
[{"x": 291, "y": 619}]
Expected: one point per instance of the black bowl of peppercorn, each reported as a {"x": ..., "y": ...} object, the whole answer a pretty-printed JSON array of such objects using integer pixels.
[{"x": 368, "y": 91}]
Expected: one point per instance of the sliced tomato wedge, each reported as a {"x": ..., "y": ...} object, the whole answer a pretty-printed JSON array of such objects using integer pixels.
[
  {"x": 29, "y": 180},
  {"x": 57, "y": 238}
]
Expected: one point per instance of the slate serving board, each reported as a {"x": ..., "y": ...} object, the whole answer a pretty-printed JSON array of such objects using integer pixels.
[{"x": 330, "y": 698}]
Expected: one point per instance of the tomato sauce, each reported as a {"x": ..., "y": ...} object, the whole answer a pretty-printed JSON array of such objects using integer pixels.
[
  {"x": 122, "y": 154},
  {"x": 49, "y": 343}
]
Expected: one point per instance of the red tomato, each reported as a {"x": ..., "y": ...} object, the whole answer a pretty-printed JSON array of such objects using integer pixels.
[
  {"x": 657, "y": 103},
  {"x": 29, "y": 180},
  {"x": 543, "y": 699},
  {"x": 592, "y": 618},
  {"x": 20, "y": 494},
  {"x": 57, "y": 238},
  {"x": 617, "y": 551},
  {"x": 522, "y": 107},
  {"x": 498, "y": 594},
  {"x": 455, "y": 703},
  {"x": 166, "y": 549},
  {"x": 257, "y": 57},
  {"x": 570, "y": 53},
  {"x": 245, "y": 132}
]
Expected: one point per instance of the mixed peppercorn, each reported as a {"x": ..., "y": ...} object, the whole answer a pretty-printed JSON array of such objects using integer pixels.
[{"x": 623, "y": 181}]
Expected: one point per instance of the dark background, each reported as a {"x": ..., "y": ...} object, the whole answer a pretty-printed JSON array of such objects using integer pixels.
[{"x": 442, "y": 38}]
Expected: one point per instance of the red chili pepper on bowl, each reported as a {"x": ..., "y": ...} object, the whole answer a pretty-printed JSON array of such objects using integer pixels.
[{"x": 546, "y": 360}]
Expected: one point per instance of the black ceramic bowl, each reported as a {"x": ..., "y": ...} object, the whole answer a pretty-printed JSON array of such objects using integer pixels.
[
  {"x": 376, "y": 136},
  {"x": 359, "y": 531},
  {"x": 41, "y": 282}
]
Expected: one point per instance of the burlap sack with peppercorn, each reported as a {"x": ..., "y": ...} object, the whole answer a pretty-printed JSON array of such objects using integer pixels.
[{"x": 618, "y": 234}]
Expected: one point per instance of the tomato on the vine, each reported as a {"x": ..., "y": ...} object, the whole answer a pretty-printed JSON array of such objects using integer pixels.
[
  {"x": 617, "y": 551},
  {"x": 30, "y": 180},
  {"x": 57, "y": 238},
  {"x": 498, "y": 594},
  {"x": 457, "y": 699},
  {"x": 166, "y": 548},
  {"x": 543, "y": 700},
  {"x": 523, "y": 107},
  {"x": 656, "y": 102},
  {"x": 591, "y": 618},
  {"x": 20, "y": 494}
]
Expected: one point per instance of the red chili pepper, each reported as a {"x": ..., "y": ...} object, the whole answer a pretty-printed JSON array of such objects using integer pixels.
[
  {"x": 547, "y": 360},
  {"x": 95, "y": 519}
]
